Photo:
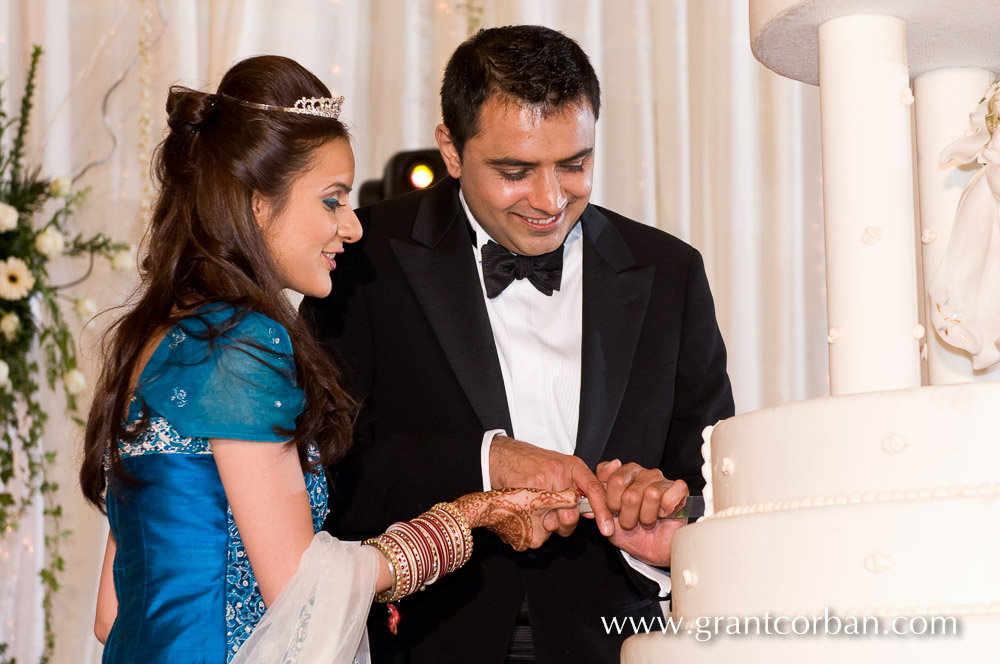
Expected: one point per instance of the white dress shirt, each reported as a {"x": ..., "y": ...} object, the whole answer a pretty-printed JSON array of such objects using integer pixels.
[{"x": 539, "y": 339}]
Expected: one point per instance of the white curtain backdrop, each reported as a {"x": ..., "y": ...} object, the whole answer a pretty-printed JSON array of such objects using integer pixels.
[{"x": 695, "y": 137}]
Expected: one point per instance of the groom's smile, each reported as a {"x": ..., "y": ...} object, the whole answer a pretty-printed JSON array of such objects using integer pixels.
[{"x": 528, "y": 173}]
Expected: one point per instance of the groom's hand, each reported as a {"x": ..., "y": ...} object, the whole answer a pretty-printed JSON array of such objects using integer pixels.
[
  {"x": 515, "y": 464},
  {"x": 642, "y": 498},
  {"x": 650, "y": 545}
]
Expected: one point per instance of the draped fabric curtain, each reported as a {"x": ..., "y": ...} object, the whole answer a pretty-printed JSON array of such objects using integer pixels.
[{"x": 695, "y": 137}]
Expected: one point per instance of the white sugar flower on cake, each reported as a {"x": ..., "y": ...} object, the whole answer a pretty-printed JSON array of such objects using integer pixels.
[{"x": 965, "y": 291}]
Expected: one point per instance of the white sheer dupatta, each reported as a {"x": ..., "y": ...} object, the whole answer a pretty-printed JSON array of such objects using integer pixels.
[{"x": 320, "y": 616}]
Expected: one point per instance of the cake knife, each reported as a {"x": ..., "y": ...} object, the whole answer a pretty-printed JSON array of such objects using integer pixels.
[{"x": 694, "y": 507}]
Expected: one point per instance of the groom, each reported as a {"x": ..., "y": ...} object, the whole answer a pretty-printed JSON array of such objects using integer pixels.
[{"x": 502, "y": 304}]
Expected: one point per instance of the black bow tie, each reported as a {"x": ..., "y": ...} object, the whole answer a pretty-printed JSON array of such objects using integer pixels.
[{"x": 500, "y": 268}]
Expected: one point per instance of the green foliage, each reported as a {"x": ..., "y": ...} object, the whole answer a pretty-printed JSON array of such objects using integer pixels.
[{"x": 26, "y": 249}]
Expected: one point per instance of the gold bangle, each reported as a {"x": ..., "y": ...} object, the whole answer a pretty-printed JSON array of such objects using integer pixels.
[
  {"x": 456, "y": 514},
  {"x": 386, "y": 595},
  {"x": 412, "y": 559}
]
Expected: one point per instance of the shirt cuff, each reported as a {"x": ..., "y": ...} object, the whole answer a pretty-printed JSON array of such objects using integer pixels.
[
  {"x": 484, "y": 455},
  {"x": 658, "y": 576}
]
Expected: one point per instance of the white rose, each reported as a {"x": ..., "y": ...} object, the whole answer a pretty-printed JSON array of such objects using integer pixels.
[
  {"x": 4, "y": 375},
  {"x": 60, "y": 186},
  {"x": 50, "y": 243},
  {"x": 9, "y": 325},
  {"x": 75, "y": 381},
  {"x": 85, "y": 308},
  {"x": 123, "y": 260},
  {"x": 8, "y": 217}
]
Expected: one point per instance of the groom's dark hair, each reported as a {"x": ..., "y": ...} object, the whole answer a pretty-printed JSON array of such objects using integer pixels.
[{"x": 525, "y": 64}]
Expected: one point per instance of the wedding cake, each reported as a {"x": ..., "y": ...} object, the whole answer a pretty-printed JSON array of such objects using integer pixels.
[{"x": 865, "y": 526}]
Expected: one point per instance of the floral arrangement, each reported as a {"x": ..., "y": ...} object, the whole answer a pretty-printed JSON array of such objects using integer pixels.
[{"x": 34, "y": 231}]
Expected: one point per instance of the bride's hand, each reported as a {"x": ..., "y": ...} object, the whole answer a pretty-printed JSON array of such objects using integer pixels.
[{"x": 515, "y": 515}]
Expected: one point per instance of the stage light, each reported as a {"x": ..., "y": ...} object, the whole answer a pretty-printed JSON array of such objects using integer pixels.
[
  {"x": 421, "y": 176},
  {"x": 404, "y": 172}
]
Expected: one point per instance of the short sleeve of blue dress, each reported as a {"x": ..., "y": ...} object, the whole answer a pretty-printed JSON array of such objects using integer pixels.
[
  {"x": 240, "y": 385},
  {"x": 186, "y": 591}
]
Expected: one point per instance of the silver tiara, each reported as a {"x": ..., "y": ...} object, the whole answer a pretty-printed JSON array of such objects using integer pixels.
[{"x": 324, "y": 107}]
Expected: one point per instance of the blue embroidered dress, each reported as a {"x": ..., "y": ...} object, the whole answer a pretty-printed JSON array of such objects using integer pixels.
[{"x": 186, "y": 593}]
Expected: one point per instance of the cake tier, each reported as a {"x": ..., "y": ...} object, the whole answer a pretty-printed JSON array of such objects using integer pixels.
[
  {"x": 884, "y": 446},
  {"x": 908, "y": 557},
  {"x": 957, "y": 33},
  {"x": 977, "y": 641}
]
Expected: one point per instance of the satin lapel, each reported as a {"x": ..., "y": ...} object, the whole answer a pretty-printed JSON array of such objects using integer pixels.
[
  {"x": 438, "y": 262},
  {"x": 615, "y": 295}
]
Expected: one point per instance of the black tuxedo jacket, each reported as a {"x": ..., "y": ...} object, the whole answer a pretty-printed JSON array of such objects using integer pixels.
[{"x": 407, "y": 325}]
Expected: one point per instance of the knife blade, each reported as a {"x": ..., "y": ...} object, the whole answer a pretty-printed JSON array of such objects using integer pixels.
[{"x": 694, "y": 507}]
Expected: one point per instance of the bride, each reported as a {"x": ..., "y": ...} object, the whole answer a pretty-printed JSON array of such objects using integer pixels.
[{"x": 216, "y": 411}]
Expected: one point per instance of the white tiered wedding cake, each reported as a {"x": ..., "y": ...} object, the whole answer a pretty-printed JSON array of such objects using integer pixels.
[{"x": 876, "y": 509}]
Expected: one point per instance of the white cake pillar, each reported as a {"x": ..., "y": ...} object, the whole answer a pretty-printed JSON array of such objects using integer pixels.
[
  {"x": 944, "y": 100},
  {"x": 868, "y": 204}
]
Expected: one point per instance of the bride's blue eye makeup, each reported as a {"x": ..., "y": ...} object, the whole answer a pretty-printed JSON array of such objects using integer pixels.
[{"x": 331, "y": 203}]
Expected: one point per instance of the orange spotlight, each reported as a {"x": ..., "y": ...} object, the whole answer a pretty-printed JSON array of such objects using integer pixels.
[
  {"x": 404, "y": 172},
  {"x": 421, "y": 176}
]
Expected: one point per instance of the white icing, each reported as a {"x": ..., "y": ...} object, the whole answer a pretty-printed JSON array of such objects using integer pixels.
[
  {"x": 894, "y": 444},
  {"x": 869, "y": 232},
  {"x": 836, "y": 446},
  {"x": 922, "y": 493},
  {"x": 939, "y": 34},
  {"x": 882, "y": 503},
  {"x": 847, "y": 557},
  {"x": 871, "y": 235},
  {"x": 878, "y": 562},
  {"x": 727, "y": 466},
  {"x": 823, "y": 499},
  {"x": 706, "y": 469}
]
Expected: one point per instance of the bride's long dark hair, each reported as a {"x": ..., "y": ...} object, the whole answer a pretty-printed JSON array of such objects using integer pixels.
[{"x": 204, "y": 246}]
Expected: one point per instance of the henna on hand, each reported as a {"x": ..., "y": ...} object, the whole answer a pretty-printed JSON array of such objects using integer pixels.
[{"x": 515, "y": 515}]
